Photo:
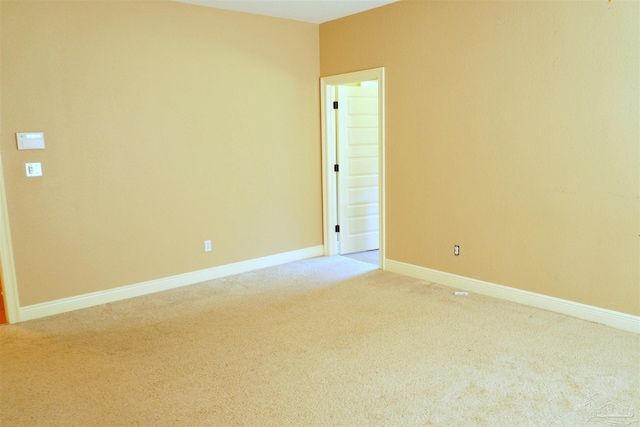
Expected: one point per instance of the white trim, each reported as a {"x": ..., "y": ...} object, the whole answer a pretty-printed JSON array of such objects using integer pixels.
[
  {"x": 9, "y": 283},
  {"x": 626, "y": 322},
  {"x": 329, "y": 155},
  {"x": 328, "y": 178},
  {"x": 102, "y": 297}
]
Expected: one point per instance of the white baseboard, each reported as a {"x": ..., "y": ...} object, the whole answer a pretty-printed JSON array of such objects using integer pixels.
[
  {"x": 626, "y": 322},
  {"x": 102, "y": 297}
]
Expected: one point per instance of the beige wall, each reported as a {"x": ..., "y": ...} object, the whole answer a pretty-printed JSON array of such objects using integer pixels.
[
  {"x": 513, "y": 131},
  {"x": 166, "y": 124}
]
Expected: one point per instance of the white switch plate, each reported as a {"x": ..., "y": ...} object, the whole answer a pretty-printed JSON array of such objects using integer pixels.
[
  {"x": 34, "y": 169},
  {"x": 207, "y": 245},
  {"x": 30, "y": 140}
]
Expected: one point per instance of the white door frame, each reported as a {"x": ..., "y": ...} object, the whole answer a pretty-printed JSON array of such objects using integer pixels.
[
  {"x": 7, "y": 266},
  {"x": 329, "y": 205}
]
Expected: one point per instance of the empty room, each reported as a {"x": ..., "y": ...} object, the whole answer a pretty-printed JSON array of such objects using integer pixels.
[{"x": 305, "y": 212}]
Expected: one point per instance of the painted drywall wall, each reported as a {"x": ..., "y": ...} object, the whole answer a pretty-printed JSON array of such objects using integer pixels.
[
  {"x": 512, "y": 130},
  {"x": 165, "y": 124}
]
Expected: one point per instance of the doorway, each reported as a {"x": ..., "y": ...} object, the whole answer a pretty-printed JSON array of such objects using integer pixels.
[
  {"x": 357, "y": 166},
  {"x": 353, "y": 163}
]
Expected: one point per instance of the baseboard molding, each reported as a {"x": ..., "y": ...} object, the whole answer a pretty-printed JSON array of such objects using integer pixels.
[
  {"x": 102, "y": 297},
  {"x": 612, "y": 318}
]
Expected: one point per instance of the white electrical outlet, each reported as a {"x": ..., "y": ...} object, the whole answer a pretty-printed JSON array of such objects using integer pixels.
[
  {"x": 456, "y": 250},
  {"x": 33, "y": 169},
  {"x": 207, "y": 245}
]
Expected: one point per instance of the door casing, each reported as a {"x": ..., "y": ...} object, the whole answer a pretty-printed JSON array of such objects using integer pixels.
[{"x": 329, "y": 208}]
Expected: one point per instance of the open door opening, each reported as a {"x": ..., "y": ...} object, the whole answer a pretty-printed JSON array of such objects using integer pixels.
[
  {"x": 358, "y": 167},
  {"x": 353, "y": 163}
]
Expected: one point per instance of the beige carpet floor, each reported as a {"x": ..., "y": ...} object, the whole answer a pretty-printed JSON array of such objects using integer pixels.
[
  {"x": 372, "y": 257},
  {"x": 325, "y": 341}
]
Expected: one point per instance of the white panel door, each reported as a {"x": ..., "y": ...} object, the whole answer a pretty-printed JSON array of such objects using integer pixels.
[{"x": 358, "y": 175}]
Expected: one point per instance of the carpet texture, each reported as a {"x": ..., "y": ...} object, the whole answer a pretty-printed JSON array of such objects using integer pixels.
[
  {"x": 324, "y": 341},
  {"x": 372, "y": 257}
]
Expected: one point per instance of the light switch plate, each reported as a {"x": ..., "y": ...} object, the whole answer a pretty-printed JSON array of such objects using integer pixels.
[
  {"x": 30, "y": 140},
  {"x": 34, "y": 169}
]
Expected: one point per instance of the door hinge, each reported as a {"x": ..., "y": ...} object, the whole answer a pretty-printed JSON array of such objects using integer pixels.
[
  {"x": 335, "y": 105},
  {"x": 337, "y": 228},
  {"x": 336, "y": 168}
]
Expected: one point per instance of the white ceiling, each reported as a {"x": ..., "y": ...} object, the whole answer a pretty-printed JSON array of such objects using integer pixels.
[{"x": 314, "y": 11}]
